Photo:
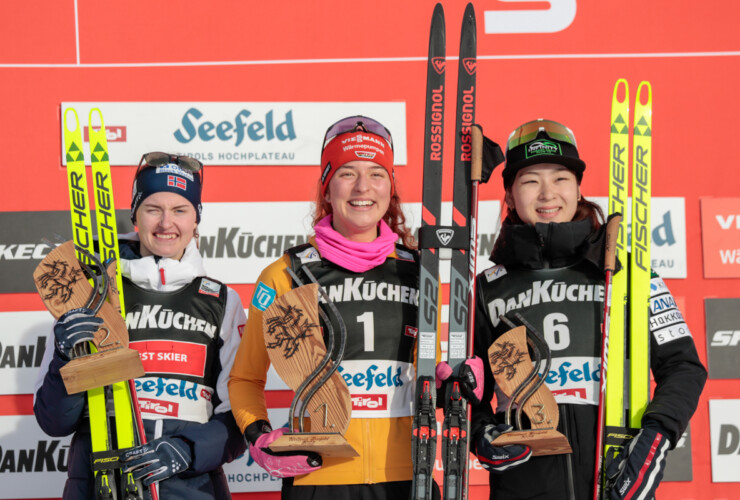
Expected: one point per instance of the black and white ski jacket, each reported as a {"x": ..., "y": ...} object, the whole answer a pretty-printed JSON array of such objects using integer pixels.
[
  {"x": 186, "y": 328},
  {"x": 552, "y": 274}
]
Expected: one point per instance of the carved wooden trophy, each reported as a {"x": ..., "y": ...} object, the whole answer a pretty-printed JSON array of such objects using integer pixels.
[
  {"x": 518, "y": 378},
  {"x": 297, "y": 350},
  {"x": 63, "y": 285}
]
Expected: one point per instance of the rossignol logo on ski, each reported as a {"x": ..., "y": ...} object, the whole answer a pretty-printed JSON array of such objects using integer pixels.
[
  {"x": 542, "y": 147},
  {"x": 445, "y": 236},
  {"x": 439, "y": 63},
  {"x": 470, "y": 64}
]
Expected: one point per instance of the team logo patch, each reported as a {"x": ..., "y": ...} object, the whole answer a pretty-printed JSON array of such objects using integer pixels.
[
  {"x": 208, "y": 287},
  {"x": 166, "y": 408},
  {"x": 171, "y": 168},
  {"x": 309, "y": 255},
  {"x": 404, "y": 255},
  {"x": 325, "y": 173},
  {"x": 365, "y": 155},
  {"x": 178, "y": 182},
  {"x": 494, "y": 273},
  {"x": 542, "y": 147},
  {"x": 263, "y": 296},
  {"x": 410, "y": 331}
]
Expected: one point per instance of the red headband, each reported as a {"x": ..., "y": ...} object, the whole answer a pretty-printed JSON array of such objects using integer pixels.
[{"x": 351, "y": 146}]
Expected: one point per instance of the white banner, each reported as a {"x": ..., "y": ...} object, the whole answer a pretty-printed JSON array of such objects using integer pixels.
[
  {"x": 229, "y": 133},
  {"x": 724, "y": 431},
  {"x": 22, "y": 345},
  {"x": 32, "y": 465}
]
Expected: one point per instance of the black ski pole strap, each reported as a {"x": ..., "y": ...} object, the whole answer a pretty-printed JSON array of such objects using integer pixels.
[{"x": 444, "y": 237}]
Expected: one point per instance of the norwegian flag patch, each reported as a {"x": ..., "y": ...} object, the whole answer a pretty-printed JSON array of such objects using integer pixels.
[{"x": 178, "y": 182}]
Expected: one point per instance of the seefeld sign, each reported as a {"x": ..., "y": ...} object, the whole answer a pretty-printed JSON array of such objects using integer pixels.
[{"x": 230, "y": 133}]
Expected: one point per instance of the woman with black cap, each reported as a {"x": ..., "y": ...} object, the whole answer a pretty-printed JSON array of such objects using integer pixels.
[
  {"x": 549, "y": 269},
  {"x": 186, "y": 328},
  {"x": 357, "y": 223}
]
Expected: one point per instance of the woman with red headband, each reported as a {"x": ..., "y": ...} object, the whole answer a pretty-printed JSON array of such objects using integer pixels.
[{"x": 358, "y": 222}]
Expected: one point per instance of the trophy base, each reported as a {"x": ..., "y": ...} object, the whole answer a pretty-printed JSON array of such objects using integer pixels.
[
  {"x": 101, "y": 369},
  {"x": 542, "y": 442},
  {"x": 325, "y": 444}
]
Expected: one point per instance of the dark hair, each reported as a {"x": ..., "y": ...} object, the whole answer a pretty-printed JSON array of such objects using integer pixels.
[{"x": 394, "y": 216}]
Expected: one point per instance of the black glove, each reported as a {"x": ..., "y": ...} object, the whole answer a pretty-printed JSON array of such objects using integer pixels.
[
  {"x": 637, "y": 471},
  {"x": 157, "y": 460},
  {"x": 500, "y": 458},
  {"x": 471, "y": 378},
  {"x": 73, "y": 327}
]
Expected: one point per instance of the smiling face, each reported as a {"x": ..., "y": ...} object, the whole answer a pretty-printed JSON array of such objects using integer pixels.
[
  {"x": 545, "y": 192},
  {"x": 166, "y": 223},
  {"x": 359, "y": 194}
]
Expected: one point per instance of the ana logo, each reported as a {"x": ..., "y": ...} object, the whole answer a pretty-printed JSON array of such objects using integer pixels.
[
  {"x": 542, "y": 147},
  {"x": 263, "y": 296},
  {"x": 445, "y": 235},
  {"x": 178, "y": 182}
]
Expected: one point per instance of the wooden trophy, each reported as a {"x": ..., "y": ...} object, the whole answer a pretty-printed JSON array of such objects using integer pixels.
[
  {"x": 296, "y": 348},
  {"x": 518, "y": 378},
  {"x": 63, "y": 285}
]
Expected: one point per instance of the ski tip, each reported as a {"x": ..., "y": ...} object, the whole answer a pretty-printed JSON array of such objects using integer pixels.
[
  {"x": 66, "y": 119},
  {"x": 621, "y": 91},
  {"x": 97, "y": 111},
  {"x": 645, "y": 99}
]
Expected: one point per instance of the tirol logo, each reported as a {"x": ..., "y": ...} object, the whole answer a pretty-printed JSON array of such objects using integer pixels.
[
  {"x": 113, "y": 133},
  {"x": 244, "y": 126},
  {"x": 542, "y": 147},
  {"x": 159, "y": 407},
  {"x": 445, "y": 236},
  {"x": 369, "y": 402}
]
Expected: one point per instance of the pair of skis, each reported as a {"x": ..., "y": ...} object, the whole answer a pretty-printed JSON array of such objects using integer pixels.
[
  {"x": 456, "y": 243},
  {"x": 619, "y": 426},
  {"x": 129, "y": 430}
]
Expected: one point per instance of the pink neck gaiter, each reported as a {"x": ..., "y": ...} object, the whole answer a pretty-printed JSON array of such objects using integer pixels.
[{"x": 355, "y": 256}]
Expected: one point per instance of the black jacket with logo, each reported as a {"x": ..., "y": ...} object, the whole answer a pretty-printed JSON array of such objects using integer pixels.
[{"x": 552, "y": 274}]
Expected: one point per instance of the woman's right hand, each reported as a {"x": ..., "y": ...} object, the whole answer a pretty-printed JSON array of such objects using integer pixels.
[{"x": 75, "y": 326}]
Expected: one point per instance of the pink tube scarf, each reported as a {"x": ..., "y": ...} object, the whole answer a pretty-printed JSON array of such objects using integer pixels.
[{"x": 355, "y": 256}]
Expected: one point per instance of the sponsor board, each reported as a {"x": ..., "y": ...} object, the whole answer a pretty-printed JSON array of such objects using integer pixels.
[
  {"x": 667, "y": 236},
  {"x": 27, "y": 238},
  {"x": 678, "y": 463},
  {"x": 32, "y": 464},
  {"x": 720, "y": 237},
  {"x": 234, "y": 133},
  {"x": 22, "y": 346},
  {"x": 724, "y": 431},
  {"x": 723, "y": 337}
]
